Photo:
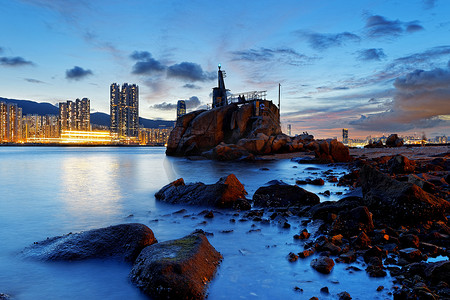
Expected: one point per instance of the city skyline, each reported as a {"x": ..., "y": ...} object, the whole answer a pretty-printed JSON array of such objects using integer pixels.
[{"x": 352, "y": 65}]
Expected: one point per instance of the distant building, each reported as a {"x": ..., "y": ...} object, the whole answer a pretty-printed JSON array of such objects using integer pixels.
[
  {"x": 155, "y": 136},
  {"x": 38, "y": 128},
  {"x": 75, "y": 115},
  {"x": 289, "y": 129},
  {"x": 345, "y": 136},
  {"x": 10, "y": 123},
  {"x": 181, "y": 108},
  {"x": 124, "y": 110}
]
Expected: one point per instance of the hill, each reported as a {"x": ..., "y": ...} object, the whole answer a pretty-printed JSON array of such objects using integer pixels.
[{"x": 35, "y": 108}]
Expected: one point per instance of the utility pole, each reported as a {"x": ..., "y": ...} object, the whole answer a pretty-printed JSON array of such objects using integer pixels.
[{"x": 279, "y": 95}]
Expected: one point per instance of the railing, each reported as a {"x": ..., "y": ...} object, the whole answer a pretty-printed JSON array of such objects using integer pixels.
[{"x": 246, "y": 96}]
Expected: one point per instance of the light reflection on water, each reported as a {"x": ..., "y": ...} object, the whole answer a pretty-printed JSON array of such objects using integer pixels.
[{"x": 52, "y": 191}]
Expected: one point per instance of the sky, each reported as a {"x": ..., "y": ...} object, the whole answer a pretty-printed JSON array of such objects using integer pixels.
[{"x": 374, "y": 67}]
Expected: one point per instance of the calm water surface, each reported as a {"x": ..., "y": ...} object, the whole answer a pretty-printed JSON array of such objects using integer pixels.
[{"x": 49, "y": 191}]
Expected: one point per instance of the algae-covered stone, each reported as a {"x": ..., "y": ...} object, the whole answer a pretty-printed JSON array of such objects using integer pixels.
[
  {"x": 125, "y": 241},
  {"x": 176, "y": 269}
]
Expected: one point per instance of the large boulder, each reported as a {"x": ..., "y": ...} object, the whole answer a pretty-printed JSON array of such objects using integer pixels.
[
  {"x": 329, "y": 151},
  {"x": 124, "y": 241},
  {"x": 226, "y": 152},
  {"x": 282, "y": 195},
  {"x": 177, "y": 269},
  {"x": 394, "y": 141},
  {"x": 398, "y": 202},
  {"x": 223, "y": 193},
  {"x": 353, "y": 222},
  {"x": 201, "y": 131},
  {"x": 322, "y": 264}
]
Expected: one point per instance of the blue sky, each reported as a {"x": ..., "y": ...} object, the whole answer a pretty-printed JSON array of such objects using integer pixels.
[{"x": 375, "y": 67}]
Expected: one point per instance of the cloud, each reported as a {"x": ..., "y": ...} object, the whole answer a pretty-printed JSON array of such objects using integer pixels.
[
  {"x": 191, "y": 86},
  {"x": 77, "y": 73},
  {"x": 421, "y": 99},
  {"x": 428, "y": 4},
  {"x": 146, "y": 64},
  {"x": 164, "y": 106},
  {"x": 31, "y": 80},
  {"x": 16, "y": 61},
  {"x": 191, "y": 103},
  {"x": 189, "y": 71},
  {"x": 321, "y": 41},
  {"x": 284, "y": 55},
  {"x": 378, "y": 26},
  {"x": 371, "y": 54}
]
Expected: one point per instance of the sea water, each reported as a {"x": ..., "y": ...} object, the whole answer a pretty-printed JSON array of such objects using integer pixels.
[{"x": 50, "y": 191}]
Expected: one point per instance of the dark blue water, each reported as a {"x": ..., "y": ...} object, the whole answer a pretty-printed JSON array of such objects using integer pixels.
[{"x": 49, "y": 191}]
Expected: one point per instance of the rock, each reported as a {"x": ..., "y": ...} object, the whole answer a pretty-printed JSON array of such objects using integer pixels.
[
  {"x": 323, "y": 209},
  {"x": 438, "y": 271},
  {"x": 5, "y": 296},
  {"x": 306, "y": 253},
  {"x": 303, "y": 235},
  {"x": 283, "y": 195},
  {"x": 227, "y": 152},
  {"x": 344, "y": 296},
  {"x": 408, "y": 240},
  {"x": 423, "y": 184},
  {"x": 352, "y": 222},
  {"x": 176, "y": 269},
  {"x": 329, "y": 151},
  {"x": 222, "y": 194},
  {"x": 317, "y": 181},
  {"x": 411, "y": 254},
  {"x": 322, "y": 264},
  {"x": 203, "y": 130},
  {"x": 394, "y": 141},
  {"x": 124, "y": 241},
  {"x": 376, "y": 271},
  {"x": 348, "y": 257},
  {"x": 362, "y": 241},
  {"x": 324, "y": 290},
  {"x": 374, "y": 252},
  {"x": 400, "y": 164},
  {"x": 292, "y": 257},
  {"x": 397, "y": 202}
]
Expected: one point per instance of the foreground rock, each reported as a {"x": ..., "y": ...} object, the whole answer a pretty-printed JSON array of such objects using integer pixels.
[
  {"x": 124, "y": 241},
  {"x": 177, "y": 269},
  {"x": 223, "y": 194},
  {"x": 399, "y": 202},
  {"x": 283, "y": 195},
  {"x": 322, "y": 264}
]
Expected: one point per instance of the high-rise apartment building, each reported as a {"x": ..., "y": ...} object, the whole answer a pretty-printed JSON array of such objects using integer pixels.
[
  {"x": 289, "y": 129},
  {"x": 181, "y": 108},
  {"x": 345, "y": 136},
  {"x": 75, "y": 115},
  {"x": 10, "y": 123},
  {"x": 124, "y": 110}
]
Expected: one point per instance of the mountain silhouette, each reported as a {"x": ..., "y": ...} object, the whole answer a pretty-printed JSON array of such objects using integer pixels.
[{"x": 36, "y": 108}]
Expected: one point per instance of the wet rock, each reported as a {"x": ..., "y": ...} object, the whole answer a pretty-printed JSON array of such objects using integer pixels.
[
  {"x": 376, "y": 271},
  {"x": 222, "y": 194},
  {"x": 176, "y": 269},
  {"x": 292, "y": 257},
  {"x": 123, "y": 241},
  {"x": 423, "y": 184},
  {"x": 209, "y": 215},
  {"x": 374, "y": 252},
  {"x": 283, "y": 195},
  {"x": 344, "y": 296},
  {"x": 397, "y": 202},
  {"x": 324, "y": 209},
  {"x": 303, "y": 235},
  {"x": 5, "y": 296},
  {"x": 438, "y": 271},
  {"x": 317, "y": 181},
  {"x": 411, "y": 254},
  {"x": 324, "y": 290},
  {"x": 322, "y": 264},
  {"x": 380, "y": 288},
  {"x": 352, "y": 222},
  {"x": 348, "y": 257},
  {"x": 242, "y": 204},
  {"x": 228, "y": 152},
  {"x": 306, "y": 253},
  {"x": 394, "y": 141},
  {"x": 408, "y": 240}
]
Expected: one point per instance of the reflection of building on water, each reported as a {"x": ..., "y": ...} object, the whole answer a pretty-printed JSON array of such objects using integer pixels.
[{"x": 88, "y": 186}]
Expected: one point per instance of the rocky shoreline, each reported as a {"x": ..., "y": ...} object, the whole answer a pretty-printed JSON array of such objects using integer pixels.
[{"x": 396, "y": 221}]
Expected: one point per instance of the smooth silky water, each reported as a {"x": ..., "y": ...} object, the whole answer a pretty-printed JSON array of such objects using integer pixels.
[{"x": 50, "y": 191}]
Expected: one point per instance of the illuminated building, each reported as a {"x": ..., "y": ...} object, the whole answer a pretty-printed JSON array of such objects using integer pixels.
[
  {"x": 289, "y": 127},
  {"x": 345, "y": 136},
  {"x": 13, "y": 123},
  {"x": 37, "y": 129},
  {"x": 154, "y": 136},
  {"x": 3, "y": 118},
  {"x": 124, "y": 110},
  {"x": 75, "y": 115},
  {"x": 85, "y": 137},
  {"x": 181, "y": 108}
]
